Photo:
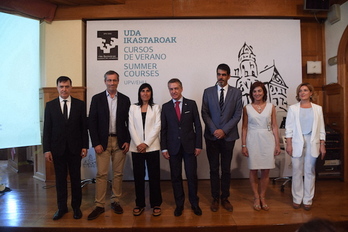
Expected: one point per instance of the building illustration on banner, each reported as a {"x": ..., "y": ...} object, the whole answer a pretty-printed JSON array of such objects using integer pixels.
[{"x": 248, "y": 72}]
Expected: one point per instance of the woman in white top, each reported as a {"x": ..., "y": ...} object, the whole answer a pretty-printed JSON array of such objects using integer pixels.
[
  {"x": 260, "y": 141},
  {"x": 144, "y": 128},
  {"x": 305, "y": 140}
]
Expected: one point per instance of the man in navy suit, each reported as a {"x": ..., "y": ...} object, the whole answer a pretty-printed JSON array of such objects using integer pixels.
[
  {"x": 108, "y": 128},
  {"x": 181, "y": 139},
  {"x": 65, "y": 141},
  {"x": 221, "y": 112}
]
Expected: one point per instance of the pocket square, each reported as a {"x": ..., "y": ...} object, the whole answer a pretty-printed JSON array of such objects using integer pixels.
[{"x": 187, "y": 112}]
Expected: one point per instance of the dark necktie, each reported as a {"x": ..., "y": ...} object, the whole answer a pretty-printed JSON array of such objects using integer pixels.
[
  {"x": 221, "y": 102},
  {"x": 65, "y": 110},
  {"x": 177, "y": 109}
]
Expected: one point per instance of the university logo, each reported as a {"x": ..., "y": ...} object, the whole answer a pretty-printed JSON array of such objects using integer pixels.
[{"x": 108, "y": 48}]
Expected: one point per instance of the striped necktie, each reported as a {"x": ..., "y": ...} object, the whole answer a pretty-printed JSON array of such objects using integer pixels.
[{"x": 221, "y": 102}]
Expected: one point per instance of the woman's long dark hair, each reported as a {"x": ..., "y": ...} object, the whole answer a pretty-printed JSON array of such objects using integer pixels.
[{"x": 140, "y": 101}]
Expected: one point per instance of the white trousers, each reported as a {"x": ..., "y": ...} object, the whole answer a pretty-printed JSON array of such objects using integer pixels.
[{"x": 304, "y": 166}]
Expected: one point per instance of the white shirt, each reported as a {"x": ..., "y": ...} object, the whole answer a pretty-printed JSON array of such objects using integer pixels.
[
  {"x": 219, "y": 91},
  {"x": 180, "y": 104},
  {"x": 68, "y": 104},
  {"x": 112, "y": 102}
]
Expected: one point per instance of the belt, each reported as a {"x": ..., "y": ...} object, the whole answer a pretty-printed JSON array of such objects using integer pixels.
[{"x": 113, "y": 135}]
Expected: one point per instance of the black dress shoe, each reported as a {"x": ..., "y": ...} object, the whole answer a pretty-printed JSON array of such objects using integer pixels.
[
  {"x": 95, "y": 213},
  {"x": 59, "y": 214},
  {"x": 117, "y": 208},
  {"x": 77, "y": 213},
  {"x": 178, "y": 211},
  {"x": 197, "y": 210}
]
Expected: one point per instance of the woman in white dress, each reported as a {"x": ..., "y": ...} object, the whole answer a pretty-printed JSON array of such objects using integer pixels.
[
  {"x": 305, "y": 140},
  {"x": 260, "y": 141}
]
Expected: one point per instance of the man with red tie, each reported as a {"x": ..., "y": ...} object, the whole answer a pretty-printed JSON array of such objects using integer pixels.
[{"x": 181, "y": 139}]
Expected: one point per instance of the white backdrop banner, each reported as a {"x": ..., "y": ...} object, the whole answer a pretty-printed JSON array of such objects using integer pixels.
[{"x": 155, "y": 51}]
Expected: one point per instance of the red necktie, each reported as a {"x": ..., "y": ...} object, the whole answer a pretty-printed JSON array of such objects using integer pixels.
[{"x": 177, "y": 109}]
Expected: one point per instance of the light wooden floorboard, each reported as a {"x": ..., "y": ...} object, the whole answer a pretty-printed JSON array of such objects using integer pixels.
[{"x": 31, "y": 204}]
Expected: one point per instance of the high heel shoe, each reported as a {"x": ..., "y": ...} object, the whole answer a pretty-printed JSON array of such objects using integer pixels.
[
  {"x": 264, "y": 206},
  {"x": 257, "y": 205}
]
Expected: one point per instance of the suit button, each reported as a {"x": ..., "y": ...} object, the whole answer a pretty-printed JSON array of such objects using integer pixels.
[
  {"x": 179, "y": 128},
  {"x": 179, "y": 138}
]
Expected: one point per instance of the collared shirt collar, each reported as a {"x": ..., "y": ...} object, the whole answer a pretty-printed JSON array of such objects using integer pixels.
[
  {"x": 181, "y": 99},
  {"x": 108, "y": 94},
  {"x": 62, "y": 99},
  {"x": 225, "y": 88}
]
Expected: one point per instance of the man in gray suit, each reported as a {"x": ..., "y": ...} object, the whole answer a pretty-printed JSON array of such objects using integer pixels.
[{"x": 221, "y": 111}]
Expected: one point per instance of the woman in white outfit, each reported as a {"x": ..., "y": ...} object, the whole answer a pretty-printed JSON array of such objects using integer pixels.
[
  {"x": 305, "y": 140},
  {"x": 144, "y": 128},
  {"x": 260, "y": 141}
]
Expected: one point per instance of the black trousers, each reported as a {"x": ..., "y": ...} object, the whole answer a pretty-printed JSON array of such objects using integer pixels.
[
  {"x": 152, "y": 162},
  {"x": 190, "y": 164},
  {"x": 64, "y": 164},
  {"x": 219, "y": 153}
]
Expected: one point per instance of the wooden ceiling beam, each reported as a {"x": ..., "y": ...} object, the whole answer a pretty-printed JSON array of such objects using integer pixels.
[
  {"x": 85, "y": 2},
  {"x": 191, "y": 9}
]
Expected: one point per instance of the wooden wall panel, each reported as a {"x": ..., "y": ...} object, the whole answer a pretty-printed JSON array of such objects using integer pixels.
[
  {"x": 131, "y": 9},
  {"x": 312, "y": 42},
  {"x": 245, "y": 8},
  {"x": 333, "y": 106},
  {"x": 312, "y": 47},
  {"x": 189, "y": 9}
]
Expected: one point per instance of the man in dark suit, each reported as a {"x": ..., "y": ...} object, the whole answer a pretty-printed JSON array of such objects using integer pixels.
[
  {"x": 221, "y": 112},
  {"x": 108, "y": 127},
  {"x": 181, "y": 139},
  {"x": 65, "y": 141}
]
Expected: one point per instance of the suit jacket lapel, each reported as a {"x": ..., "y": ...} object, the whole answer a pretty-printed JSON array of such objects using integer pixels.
[
  {"x": 298, "y": 124},
  {"x": 172, "y": 110},
  {"x": 315, "y": 121},
  {"x": 104, "y": 103},
  {"x": 227, "y": 97},
  {"x": 59, "y": 109},
  {"x": 72, "y": 109},
  {"x": 184, "y": 108}
]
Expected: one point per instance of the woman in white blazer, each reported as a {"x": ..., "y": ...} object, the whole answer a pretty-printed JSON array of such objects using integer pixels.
[
  {"x": 144, "y": 128},
  {"x": 305, "y": 139}
]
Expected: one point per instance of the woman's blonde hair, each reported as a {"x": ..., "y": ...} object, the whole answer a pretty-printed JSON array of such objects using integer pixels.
[{"x": 311, "y": 89}]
